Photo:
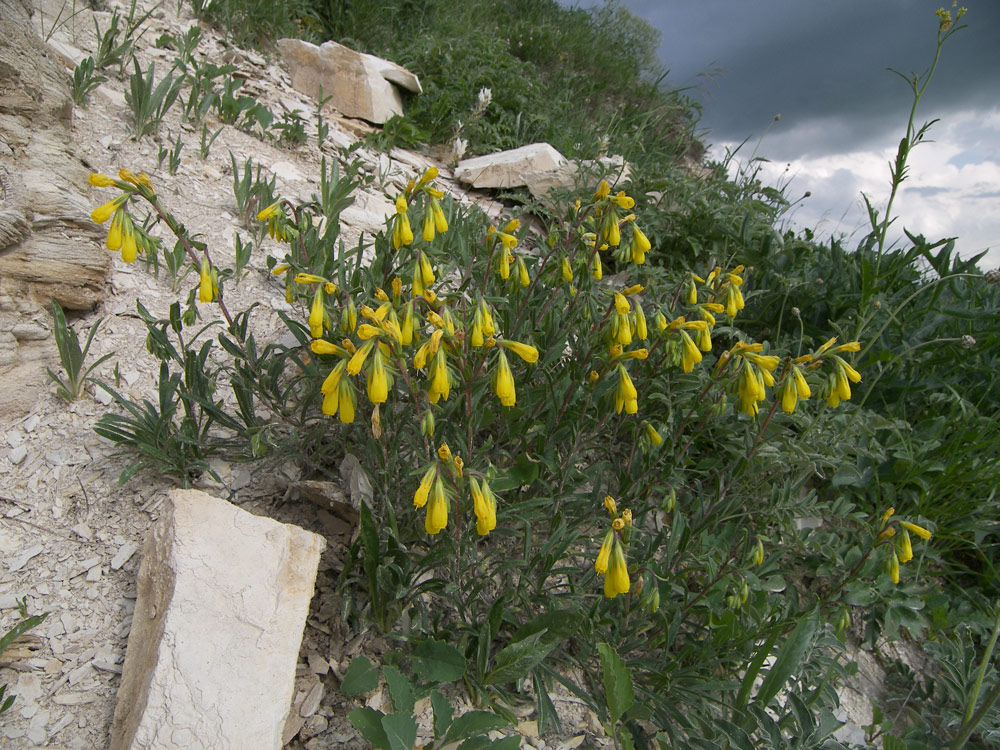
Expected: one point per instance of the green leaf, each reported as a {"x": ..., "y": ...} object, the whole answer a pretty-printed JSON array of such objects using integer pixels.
[
  {"x": 789, "y": 659},
  {"x": 401, "y": 731},
  {"x": 507, "y": 743},
  {"x": 400, "y": 690},
  {"x": 361, "y": 677},
  {"x": 517, "y": 659},
  {"x": 442, "y": 713},
  {"x": 368, "y": 721},
  {"x": 479, "y": 742},
  {"x": 753, "y": 669},
  {"x": 617, "y": 682},
  {"x": 474, "y": 722},
  {"x": 436, "y": 661}
]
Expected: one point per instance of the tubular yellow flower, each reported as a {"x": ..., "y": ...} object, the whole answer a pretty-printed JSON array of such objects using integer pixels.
[
  {"x": 402, "y": 234},
  {"x": 603, "y": 191},
  {"x": 640, "y": 245},
  {"x": 406, "y": 332},
  {"x": 426, "y": 272},
  {"x": 691, "y": 354},
  {"x": 627, "y": 517},
  {"x": 429, "y": 174},
  {"x": 614, "y": 234},
  {"x": 610, "y": 505},
  {"x": 616, "y": 580},
  {"x": 918, "y": 530},
  {"x": 440, "y": 386},
  {"x": 114, "y": 239},
  {"x": 801, "y": 386},
  {"x": 593, "y": 377},
  {"x": 905, "y": 547},
  {"x": 894, "y": 568},
  {"x": 489, "y": 327},
  {"x": 525, "y": 351},
  {"x": 331, "y": 389},
  {"x": 654, "y": 437},
  {"x": 205, "y": 291},
  {"x": 444, "y": 452},
  {"x": 103, "y": 212},
  {"x": 623, "y": 201},
  {"x": 626, "y": 396},
  {"x": 349, "y": 346},
  {"x": 129, "y": 247},
  {"x": 704, "y": 339},
  {"x": 423, "y": 491},
  {"x": 758, "y": 553},
  {"x": 378, "y": 382},
  {"x": 358, "y": 360},
  {"x": 428, "y": 227},
  {"x": 567, "y": 270},
  {"x": 640, "y": 323},
  {"x": 308, "y": 278},
  {"x": 346, "y": 392},
  {"x": 316, "y": 312},
  {"x": 596, "y": 269},
  {"x": 789, "y": 396},
  {"x": 512, "y": 226},
  {"x": 476, "y": 336},
  {"x": 734, "y": 300},
  {"x": 321, "y": 346},
  {"x": 622, "y": 306},
  {"x": 367, "y": 331},
  {"x": 661, "y": 321},
  {"x": 440, "y": 221},
  {"x": 503, "y": 267},
  {"x": 269, "y": 212},
  {"x": 484, "y": 505},
  {"x": 604, "y": 555},
  {"x": 397, "y": 288},
  {"x": 437, "y": 510},
  {"x": 100, "y": 180},
  {"x": 503, "y": 381},
  {"x": 522, "y": 272},
  {"x": 692, "y": 292}
]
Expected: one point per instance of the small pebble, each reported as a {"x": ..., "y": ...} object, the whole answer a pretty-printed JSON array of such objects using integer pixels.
[{"x": 17, "y": 454}]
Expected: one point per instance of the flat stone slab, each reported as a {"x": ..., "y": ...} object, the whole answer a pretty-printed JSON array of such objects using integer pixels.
[
  {"x": 222, "y": 601},
  {"x": 506, "y": 169}
]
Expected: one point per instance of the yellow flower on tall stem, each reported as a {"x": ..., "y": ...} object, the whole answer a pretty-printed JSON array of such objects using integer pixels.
[
  {"x": 626, "y": 396},
  {"x": 604, "y": 555},
  {"x": 205, "y": 291},
  {"x": 316, "y": 313},
  {"x": 616, "y": 580},
  {"x": 378, "y": 381},
  {"x": 503, "y": 381},
  {"x": 484, "y": 505},
  {"x": 437, "y": 510}
]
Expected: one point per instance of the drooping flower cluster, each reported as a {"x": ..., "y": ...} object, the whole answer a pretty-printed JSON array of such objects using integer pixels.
[
  {"x": 124, "y": 234},
  {"x": 433, "y": 493},
  {"x": 610, "y": 560},
  {"x": 901, "y": 550}
]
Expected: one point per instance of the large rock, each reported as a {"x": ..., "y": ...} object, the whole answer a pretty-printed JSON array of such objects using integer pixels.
[
  {"x": 360, "y": 85},
  {"x": 507, "y": 169},
  {"x": 48, "y": 245},
  {"x": 222, "y": 600}
]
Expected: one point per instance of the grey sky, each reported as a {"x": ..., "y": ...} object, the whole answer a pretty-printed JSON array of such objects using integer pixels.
[{"x": 822, "y": 64}]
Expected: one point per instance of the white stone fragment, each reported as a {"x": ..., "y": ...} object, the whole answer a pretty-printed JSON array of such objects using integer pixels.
[
  {"x": 123, "y": 555},
  {"x": 222, "y": 600},
  {"x": 507, "y": 169},
  {"x": 17, "y": 454},
  {"x": 19, "y": 560}
]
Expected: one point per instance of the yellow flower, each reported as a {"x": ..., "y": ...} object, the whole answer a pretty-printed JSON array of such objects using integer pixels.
[
  {"x": 905, "y": 547},
  {"x": 423, "y": 491},
  {"x": 640, "y": 245},
  {"x": 100, "y": 180},
  {"x": 503, "y": 381},
  {"x": 613, "y": 235},
  {"x": 129, "y": 247},
  {"x": 567, "y": 270},
  {"x": 346, "y": 398},
  {"x": 654, "y": 437},
  {"x": 603, "y": 191},
  {"x": 626, "y": 396},
  {"x": 320, "y": 346},
  {"x": 661, "y": 321},
  {"x": 504, "y": 266},
  {"x": 484, "y": 505},
  {"x": 331, "y": 389},
  {"x": 616, "y": 580},
  {"x": 525, "y": 351},
  {"x": 440, "y": 221},
  {"x": 358, "y": 360},
  {"x": 604, "y": 555},
  {"x": 428, "y": 228},
  {"x": 623, "y": 201},
  {"x": 114, "y": 239},
  {"x": 440, "y": 384},
  {"x": 378, "y": 382},
  {"x": 627, "y": 517},
  {"x": 734, "y": 300},
  {"x": 103, "y": 212},
  {"x": 691, "y": 354},
  {"x": 316, "y": 313},
  {"x": 758, "y": 553},
  {"x": 894, "y": 568},
  {"x": 429, "y": 174},
  {"x": 640, "y": 323},
  {"x": 402, "y": 234},
  {"x": 622, "y": 306},
  {"x": 367, "y": 331},
  {"x": 406, "y": 332},
  {"x": 205, "y": 291},
  {"x": 269, "y": 212},
  {"x": 918, "y": 530},
  {"x": 789, "y": 396},
  {"x": 610, "y": 505},
  {"x": 522, "y": 272},
  {"x": 437, "y": 510}
]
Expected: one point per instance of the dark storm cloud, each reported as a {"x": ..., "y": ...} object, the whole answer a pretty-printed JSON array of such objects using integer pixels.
[{"x": 821, "y": 65}]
